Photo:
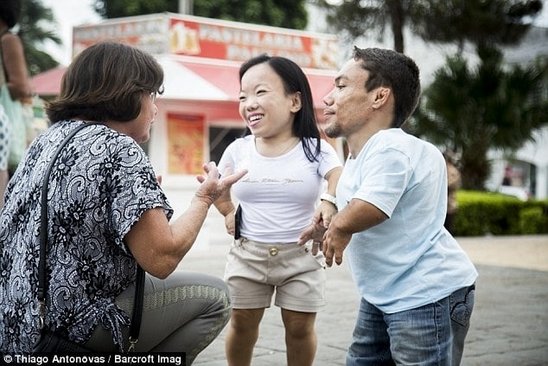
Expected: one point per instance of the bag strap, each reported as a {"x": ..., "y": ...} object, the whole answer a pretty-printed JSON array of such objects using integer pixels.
[{"x": 135, "y": 326}]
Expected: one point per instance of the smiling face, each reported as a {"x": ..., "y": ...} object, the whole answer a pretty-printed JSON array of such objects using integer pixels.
[{"x": 264, "y": 105}]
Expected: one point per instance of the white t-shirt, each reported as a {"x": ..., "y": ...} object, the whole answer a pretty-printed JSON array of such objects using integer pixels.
[
  {"x": 409, "y": 260},
  {"x": 278, "y": 195}
]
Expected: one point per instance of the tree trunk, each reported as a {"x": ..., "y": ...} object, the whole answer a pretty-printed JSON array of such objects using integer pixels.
[
  {"x": 474, "y": 166},
  {"x": 397, "y": 22}
]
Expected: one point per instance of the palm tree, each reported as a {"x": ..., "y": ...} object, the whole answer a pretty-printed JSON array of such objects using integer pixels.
[
  {"x": 448, "y": 21},
  {"x": 483, "y": 23},
  {"x": 357, "y": 17},
  {"x": 471, "y": 111},
  {"x": 36, "y": 26}
]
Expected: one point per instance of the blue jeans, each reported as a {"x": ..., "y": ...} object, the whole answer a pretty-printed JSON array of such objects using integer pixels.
[{"x": 429, "y": 335}]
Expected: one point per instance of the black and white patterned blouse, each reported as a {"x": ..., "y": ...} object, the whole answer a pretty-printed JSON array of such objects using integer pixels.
[{"x": 100, "y": 186}]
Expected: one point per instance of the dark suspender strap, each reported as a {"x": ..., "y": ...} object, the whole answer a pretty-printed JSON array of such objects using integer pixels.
[{"x": 135, "y": 326}]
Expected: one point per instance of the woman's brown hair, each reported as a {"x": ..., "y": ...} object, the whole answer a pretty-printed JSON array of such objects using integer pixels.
[{"x": 106, "y": 82}]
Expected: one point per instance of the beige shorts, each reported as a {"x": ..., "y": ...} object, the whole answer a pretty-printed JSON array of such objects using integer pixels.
[{"x": 255, "y": 270}]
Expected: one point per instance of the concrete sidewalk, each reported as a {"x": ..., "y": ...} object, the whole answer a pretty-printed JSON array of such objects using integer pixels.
[{"x": 509, "y": 323}]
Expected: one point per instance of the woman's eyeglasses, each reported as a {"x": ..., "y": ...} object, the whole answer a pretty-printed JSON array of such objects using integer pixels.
[{"x": 154, "y": 94}]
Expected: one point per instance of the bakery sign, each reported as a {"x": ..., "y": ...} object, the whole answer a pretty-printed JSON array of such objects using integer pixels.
[{"x": 211, "y": 38}]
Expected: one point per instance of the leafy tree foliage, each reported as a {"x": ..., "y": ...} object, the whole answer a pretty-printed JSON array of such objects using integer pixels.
[
  {"x": 124, "y": 8},
  {"x": 36, "y": 26},
  {"x": 280, "y": 13},
  {"x": 482, "y": 23},
  {"x": 451, "y": 21},
  {"x": 358, "y": 17},
  {"x": 470, "y": 111}
]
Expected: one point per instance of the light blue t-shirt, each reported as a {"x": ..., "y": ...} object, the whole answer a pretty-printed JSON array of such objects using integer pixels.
[{"x": 409, "y": 260}]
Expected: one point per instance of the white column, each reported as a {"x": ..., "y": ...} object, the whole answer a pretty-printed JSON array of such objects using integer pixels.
[
  {"x": 186, "y": 7},
  {"x": 541, "y": 188}
]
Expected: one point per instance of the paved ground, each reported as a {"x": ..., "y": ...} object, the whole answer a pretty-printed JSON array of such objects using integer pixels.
[{"x": 509, "y": 323}]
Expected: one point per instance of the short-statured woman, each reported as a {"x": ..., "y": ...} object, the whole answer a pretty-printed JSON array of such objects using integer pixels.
[{"x": 288, "y": 165}]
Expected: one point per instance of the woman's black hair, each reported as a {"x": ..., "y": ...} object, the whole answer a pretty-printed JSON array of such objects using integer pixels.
[
  {"x": 10, "y": 11},
  {"x": 294, "y": 80}
]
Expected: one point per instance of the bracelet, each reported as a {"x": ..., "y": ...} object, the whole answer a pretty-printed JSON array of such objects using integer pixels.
[{"x": 329, "y": 198}]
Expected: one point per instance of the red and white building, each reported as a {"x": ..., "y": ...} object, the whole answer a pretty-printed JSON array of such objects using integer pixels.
[{"x": 198, "y": 112}]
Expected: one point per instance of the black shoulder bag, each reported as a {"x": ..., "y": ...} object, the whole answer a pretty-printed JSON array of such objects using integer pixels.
[{"x": 51, "y": 342}]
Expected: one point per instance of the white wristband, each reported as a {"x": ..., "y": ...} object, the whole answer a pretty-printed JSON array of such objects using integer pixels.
[{"x": 329, "y": 198}]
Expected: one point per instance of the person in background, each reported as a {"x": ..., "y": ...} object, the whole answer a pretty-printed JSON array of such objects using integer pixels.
[
  {"x": 453, "y": 185},
  {"x": 507, "y": 179},
  {"x": 14, "y": 73},
  {"x": 288, "y": 165},
  {"x": 415, "y": 282},
  {"x": 107, "y": 215}
]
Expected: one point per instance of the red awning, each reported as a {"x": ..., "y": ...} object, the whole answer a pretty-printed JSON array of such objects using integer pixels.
[
  {"x": 224, "y": 75},
  {"x": 193, "y": 78},
  {"x": 48, "y": 83},
  {"x": 321, "y": 83}
]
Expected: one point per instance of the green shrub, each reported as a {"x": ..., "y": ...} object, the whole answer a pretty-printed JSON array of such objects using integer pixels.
[
  {"x": 533, "y": 220},
  {"x": 481, "y": 213}
]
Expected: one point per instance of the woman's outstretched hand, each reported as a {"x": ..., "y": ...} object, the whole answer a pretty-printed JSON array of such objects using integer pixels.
[{"x": 212, "y": 186}]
